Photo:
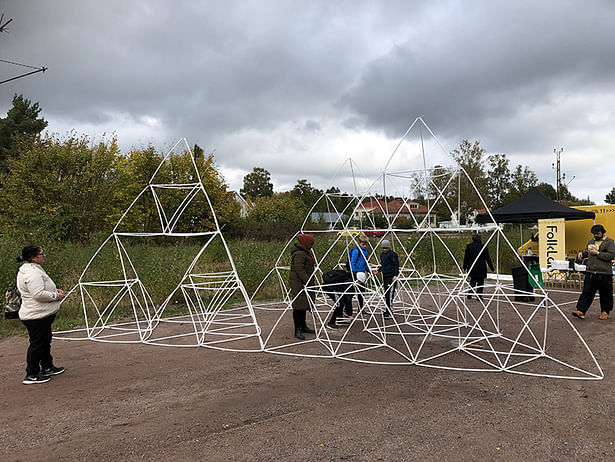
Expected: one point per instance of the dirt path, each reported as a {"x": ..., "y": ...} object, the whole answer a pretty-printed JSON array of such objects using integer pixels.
[{"x": 132, "y": 402}]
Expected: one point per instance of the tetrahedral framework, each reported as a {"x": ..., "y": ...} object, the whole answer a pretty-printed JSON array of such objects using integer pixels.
[
  {"x": 208, "y": 306},
  {"x": 435, "y": 323}
]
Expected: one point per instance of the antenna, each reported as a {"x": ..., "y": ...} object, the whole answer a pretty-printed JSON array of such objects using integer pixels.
[
  {"x": 3, "y": 25},
  {"x": 37, "y": 69}
]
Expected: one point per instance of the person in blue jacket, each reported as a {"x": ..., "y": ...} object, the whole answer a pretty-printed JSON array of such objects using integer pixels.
[
  {"x": 357, "y": 259},
  {"x": 389, "y": 267}
]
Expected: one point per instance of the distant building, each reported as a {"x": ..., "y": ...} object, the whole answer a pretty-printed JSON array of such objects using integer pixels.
[
  {"x": 395, "y": 208},
  {"x": 331, "y": 218}
]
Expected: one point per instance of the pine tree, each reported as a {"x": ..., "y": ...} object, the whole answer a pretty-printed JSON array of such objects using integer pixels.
[{"x": 21, "y": 125}]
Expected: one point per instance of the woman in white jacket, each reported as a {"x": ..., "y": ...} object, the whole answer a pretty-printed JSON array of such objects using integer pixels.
[{"x": 40, "y": 300}]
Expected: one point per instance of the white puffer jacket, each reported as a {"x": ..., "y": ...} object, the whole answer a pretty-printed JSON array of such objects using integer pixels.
[{"x": 39, "y": 297}]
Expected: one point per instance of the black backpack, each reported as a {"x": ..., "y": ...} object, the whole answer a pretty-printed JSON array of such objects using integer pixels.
[
  {"x": 12, "y": 303},
  {"x": 336, "y": 277}
]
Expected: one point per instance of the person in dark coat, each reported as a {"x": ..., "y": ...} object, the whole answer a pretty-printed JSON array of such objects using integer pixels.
[
  {"x": 389, "y": 267},
  {"x": 476, "y": 259},
  {"x": 301, "y": 277}
]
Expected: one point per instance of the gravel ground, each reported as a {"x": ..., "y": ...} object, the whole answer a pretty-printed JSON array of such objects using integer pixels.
[{"x": 132, "y": 402}]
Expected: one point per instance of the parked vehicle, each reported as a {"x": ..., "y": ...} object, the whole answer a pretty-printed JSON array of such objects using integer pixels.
[
  {"x": 349, "y": 232},
  {"x": 374, "y": 232}
]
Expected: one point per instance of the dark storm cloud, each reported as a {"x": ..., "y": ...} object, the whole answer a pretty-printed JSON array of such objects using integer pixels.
[
  {"x": 477, "y": 68},
  {"x": 267, "y": 82},
  {"x": 213, "y": 66}
]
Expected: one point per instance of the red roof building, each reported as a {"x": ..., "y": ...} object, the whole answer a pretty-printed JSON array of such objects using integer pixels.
[{"x": 394, "y": 208}]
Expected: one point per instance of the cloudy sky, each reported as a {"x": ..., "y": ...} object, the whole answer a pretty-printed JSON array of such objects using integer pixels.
[{"x": 298, "y": 87}]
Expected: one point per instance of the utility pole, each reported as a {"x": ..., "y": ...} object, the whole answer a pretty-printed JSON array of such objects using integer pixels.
[{"x": 558, "y": 170}]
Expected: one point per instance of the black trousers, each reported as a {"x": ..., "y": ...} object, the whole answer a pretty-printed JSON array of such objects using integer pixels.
[
  {"x": 39, "y": 351},
  {"x": 602, "y": 283},
  {"x": 299, "y": 319},
  {"x": 478, "y": 284},
  {"x": 343, "y": 303},
  {"x": 389, "y": 291}
]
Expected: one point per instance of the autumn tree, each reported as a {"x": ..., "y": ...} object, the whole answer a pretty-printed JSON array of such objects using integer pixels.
[
  {"x": 257, "y": 184},
  {"x": 70, "y": 194},
  {"x": 137, "y": 169},
  {"x": 274, "y": 218},
  {"x": 82, "y": 187}
]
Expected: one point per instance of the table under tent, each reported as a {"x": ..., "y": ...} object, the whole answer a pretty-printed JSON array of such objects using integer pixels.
[{"x": 530, "y": 208}]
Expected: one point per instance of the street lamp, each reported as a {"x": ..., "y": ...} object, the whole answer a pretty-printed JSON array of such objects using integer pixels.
[{"x": 558, "y": 170}]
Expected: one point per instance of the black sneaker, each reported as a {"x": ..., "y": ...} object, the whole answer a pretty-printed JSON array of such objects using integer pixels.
[
  {"x": 332, "y": 326},
  {"x": 387, "y": 314},
  {"x": 40, "y": 378},
  {"x": 52, "y": 370},
  {"x": 307, "y": 330}
]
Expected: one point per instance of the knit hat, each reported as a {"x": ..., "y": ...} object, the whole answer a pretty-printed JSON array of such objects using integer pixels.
[
  {"x": 385, "y": 244},
  {"x": 306, "y": 241},
  {"x": 598, "y": 229}
]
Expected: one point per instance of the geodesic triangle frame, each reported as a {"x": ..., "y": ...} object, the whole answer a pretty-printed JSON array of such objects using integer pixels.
[
  {"x": 434, "y": 325},
  {"x": 213, "y": 320}
]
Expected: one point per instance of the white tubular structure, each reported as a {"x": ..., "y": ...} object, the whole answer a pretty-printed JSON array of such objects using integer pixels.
[
  {"x": 209, "y": 305},
  {"x": 434, "y": 324}
]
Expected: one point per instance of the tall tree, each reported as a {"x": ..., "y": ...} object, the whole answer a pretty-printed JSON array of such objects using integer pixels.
[
  {"x": 470, "y": 157},
  {"x": 309, "y": 195},
  {"x": 498, "y": 181},
  {"x": 22, "y": 124},
  {"x": 442, "y": 192},
  {"x": 257, "y": 184},
  {"x": 338, "y": 199},
  {"x": 522, "y": 179},
  {"x": 548, "y": 190},
  {"x": 571, "y": 199},
  {"x": 610, "y": 197}
]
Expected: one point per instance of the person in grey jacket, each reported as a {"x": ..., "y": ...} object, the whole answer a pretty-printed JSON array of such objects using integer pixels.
[
  {"x": 40, "y": 301},
  {"x": 598, "y": 275}
]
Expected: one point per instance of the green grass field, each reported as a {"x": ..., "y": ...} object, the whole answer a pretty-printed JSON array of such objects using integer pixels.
[{"x": 160, "y": 264}]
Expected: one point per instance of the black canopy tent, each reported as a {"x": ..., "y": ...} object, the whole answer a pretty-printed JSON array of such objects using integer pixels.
[{"x": 530, "y": 208}]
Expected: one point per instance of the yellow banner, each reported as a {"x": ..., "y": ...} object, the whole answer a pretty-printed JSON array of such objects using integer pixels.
[{"x": 552, "y": 240}]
